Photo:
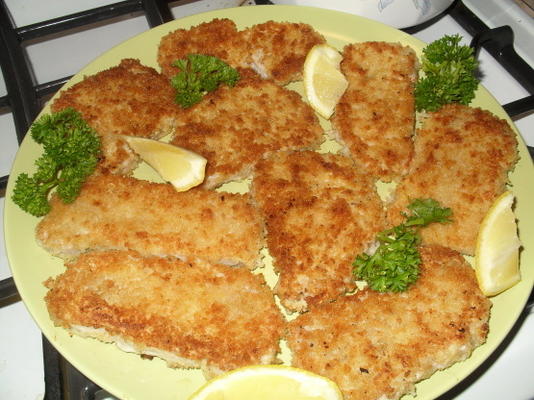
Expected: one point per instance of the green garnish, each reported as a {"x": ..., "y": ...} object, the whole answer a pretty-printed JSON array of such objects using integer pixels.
[
  {"x": 395, "y": 264},
  {"x": 449, "y": 74},
  {"x": 71, "y": 153},
  {"x": 200, "y": 74}
]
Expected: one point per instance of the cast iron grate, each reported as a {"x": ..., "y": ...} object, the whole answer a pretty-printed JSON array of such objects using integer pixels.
[{"x": 25, "y": 98}]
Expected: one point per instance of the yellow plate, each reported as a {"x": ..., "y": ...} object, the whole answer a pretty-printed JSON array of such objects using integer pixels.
[{"x": 130, "y": 377}]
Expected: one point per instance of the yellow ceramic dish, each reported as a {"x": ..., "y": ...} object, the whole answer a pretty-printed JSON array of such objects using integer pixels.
[{"x": 128, "y": 376}]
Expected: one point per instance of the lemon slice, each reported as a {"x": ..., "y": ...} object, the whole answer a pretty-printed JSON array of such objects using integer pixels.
[
  {"x": 182, "y": 168},
  {"x": 269, "y": 382},
  {"x": 324, "y": 83},
  {"x": 497, "y": 250}
]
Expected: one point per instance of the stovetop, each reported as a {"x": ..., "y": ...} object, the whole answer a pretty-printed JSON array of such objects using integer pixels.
[{"x": 507, "y": 374}]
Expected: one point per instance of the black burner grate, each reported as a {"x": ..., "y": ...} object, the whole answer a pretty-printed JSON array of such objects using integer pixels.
[{"x": 25, "y": 99}]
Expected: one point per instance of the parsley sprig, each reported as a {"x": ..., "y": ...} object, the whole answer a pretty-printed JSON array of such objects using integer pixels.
[
  {"x": 449, "y": 74},
  {"x": 71, "y": 153},
  {"x": 200, "y": 74},
  {"x": 394, "y": 266}
]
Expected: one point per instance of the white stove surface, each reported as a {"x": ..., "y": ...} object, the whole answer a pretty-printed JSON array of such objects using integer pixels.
[{"x": 21, "y": 371}]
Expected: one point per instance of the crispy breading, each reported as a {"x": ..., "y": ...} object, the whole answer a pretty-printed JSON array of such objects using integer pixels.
[
  {"x": 128, "y": 99},
  {"x": 233, "y": 127},
  {"x": 119, "y": 213},
  {"x": 319, "y": 213},
  {"x": 275, "y": 50},
  {"x": 218, "y": 38},
  {"x": 462, "y": 158},
  {"x": 377, "y": 346},
  {"x": 375, "y": 117},
  {"x": 191, "y": 314}
]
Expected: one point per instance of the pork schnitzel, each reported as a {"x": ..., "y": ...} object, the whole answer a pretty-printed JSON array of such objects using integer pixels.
[
  {"x": 275, "y": 50},
  {"x": 191, "y": 314},
  {"x": 378, "y": 345},
  {"x": 233, "y": 127},
  {"x": 115, "y": 212},
  {"x": 319, "y": 212},
  {"x": 375, "y": 117},
  {"x": 218, "y": 38},
  {"x": 462, "y": 158},
  {"x": 128, "y": 99}
]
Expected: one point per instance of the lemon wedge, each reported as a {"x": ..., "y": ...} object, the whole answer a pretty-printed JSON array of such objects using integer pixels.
[
  {"x": 324, "y": 83},
  {"x": 182, "y": 168},
  {"x": 269, "y": 382},
  {"x": 497, "y": 249}
]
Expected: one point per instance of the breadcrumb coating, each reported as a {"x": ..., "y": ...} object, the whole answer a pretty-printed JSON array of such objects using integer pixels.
[
  {"x": 128, "y": 99},
  {"x": 233, "y": 127},
  {"x": 192, "y": 314},
  {"x": 319, "y": 212},
  {"x": 375, "y": 117},
  {"x": 115, "y": 212},
  {"x": 274, "y": 50},
  {"x": 378, "y": 345},
  {"x": 462, "y": 159}
]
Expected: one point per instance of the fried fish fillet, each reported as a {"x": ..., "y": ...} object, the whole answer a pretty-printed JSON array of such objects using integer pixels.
[
  {"x": 319, "y": 212},
  {"x": 115, "y": 212},
  {"x": 275, "y": 50},
  {"x": 375, "y": 117},
  {"x": 233, "y": 127},
  {"x": 462, "y": 158},
  {"x": 377, "y": 346},
  {"x": 191, "y": 314},
  {"x": 128, "y": 99}
]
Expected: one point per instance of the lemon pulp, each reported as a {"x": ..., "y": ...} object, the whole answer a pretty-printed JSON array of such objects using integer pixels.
[
  {"x": 269, "y": 382},
  {"x": 182, "y": 168},
  {"x": 497, "y": 250},
  {"x": 324, "y": 83}
]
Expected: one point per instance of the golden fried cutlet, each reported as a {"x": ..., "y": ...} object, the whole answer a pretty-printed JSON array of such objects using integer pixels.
[
  {"x": 115, "y": 212},
  {"x": 128, "y": 99},
  {"x": 218, "y": 37},
  {"x": 375, "y": 117},
  {"x": 462, "y": 158},
  {"x": 275, "y": 50},
  {"x": 233, "y": 127},
  {"x": 377, "y": 346},
  {"x": 191, "y": 314},
  {"x": 319, "y": 213}
]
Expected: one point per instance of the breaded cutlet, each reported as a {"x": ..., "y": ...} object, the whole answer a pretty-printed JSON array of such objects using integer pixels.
[
  {"x": 115, "y": 212},
  {"x": 128, "y": 99},
  {"x": 233, "y": 127},
  {"x": 191, "y": 314},
  {"x": 275, "y": 50},
  {"x": 378, "y": 345},
  {"x": 375, "y": 118},
  {"x": 319, "y": 212},
  {"x": 462, "y": 159},
  {"x": 218, "y": 38}
]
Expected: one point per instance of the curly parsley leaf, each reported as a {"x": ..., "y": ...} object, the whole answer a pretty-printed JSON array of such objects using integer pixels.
[
  {"x": 200, "y": 74},
  {"x": 449, "y": 74},
  {"x": 71, "y": 151},
  {"x": 394, "y": 266}
]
